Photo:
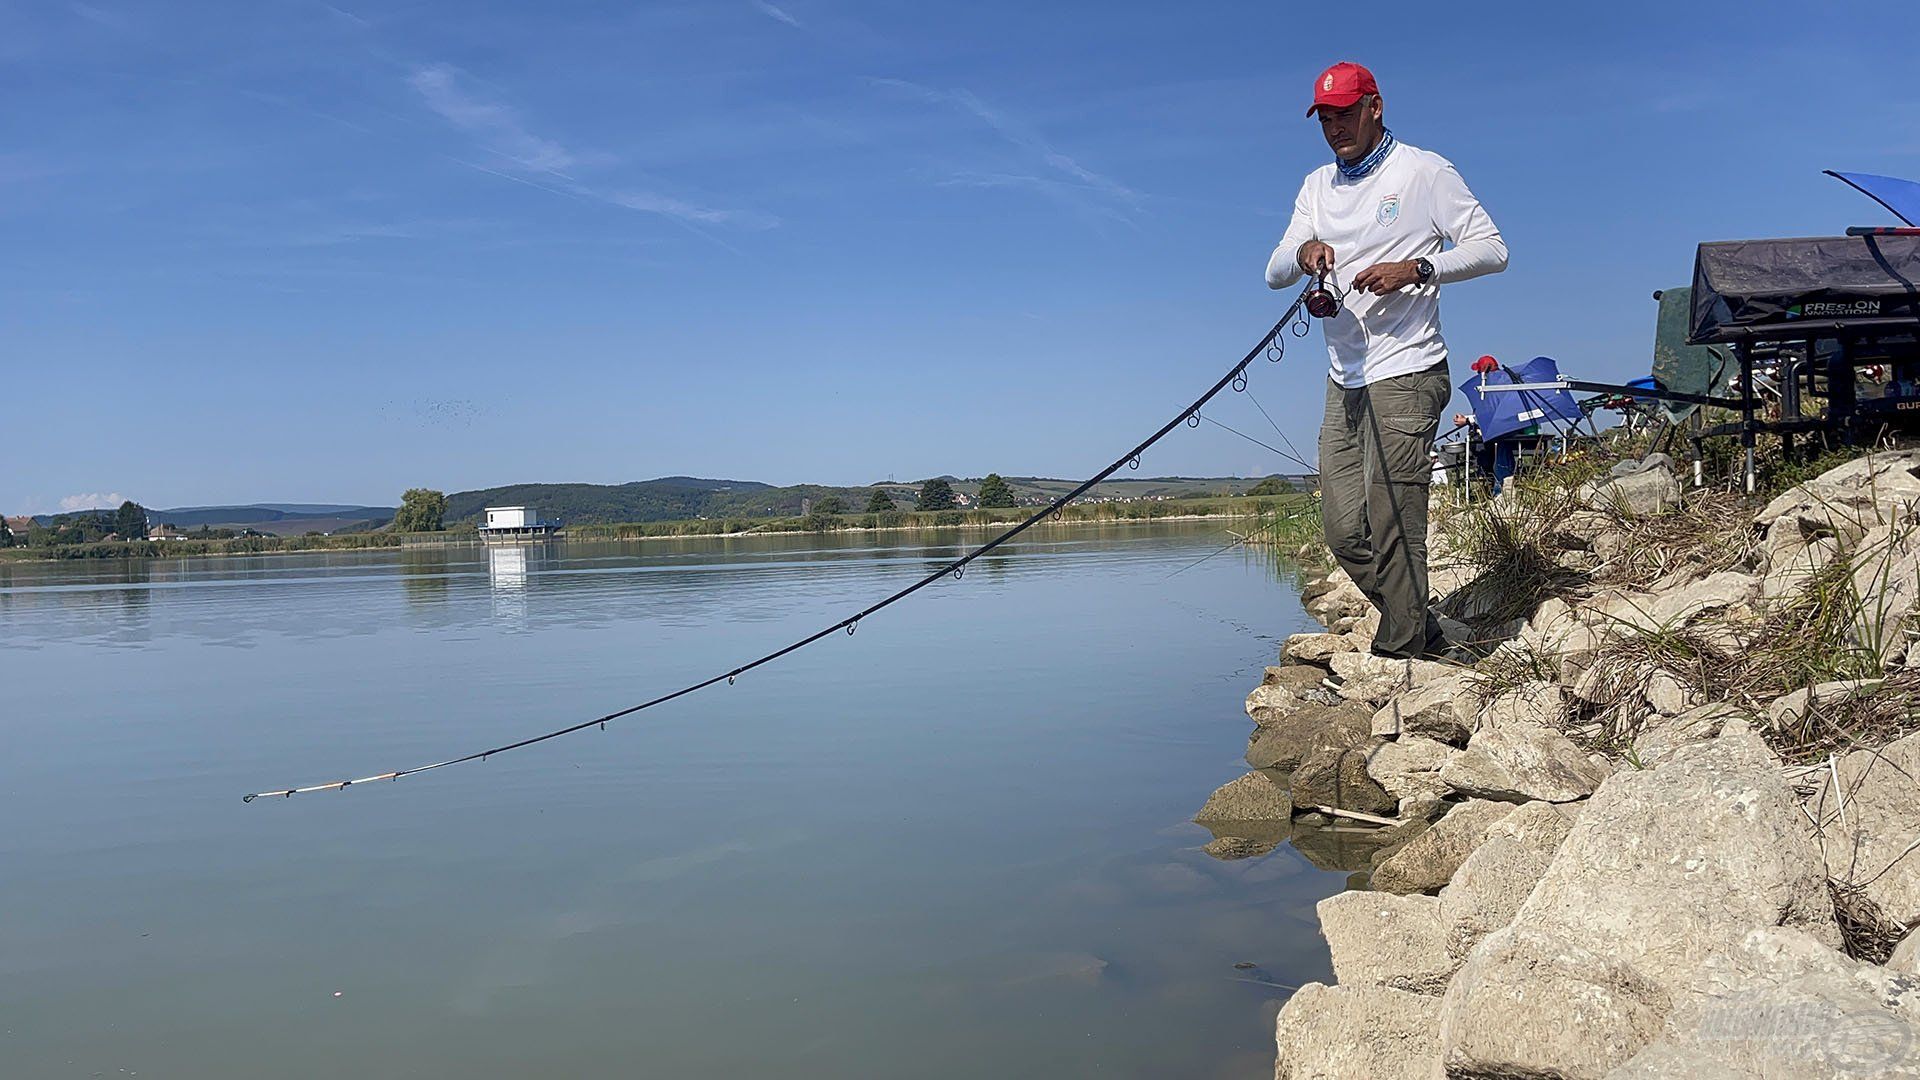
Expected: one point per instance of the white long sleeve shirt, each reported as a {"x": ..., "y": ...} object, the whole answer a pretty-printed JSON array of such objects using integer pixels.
[{"x": 1410, "y": 206}]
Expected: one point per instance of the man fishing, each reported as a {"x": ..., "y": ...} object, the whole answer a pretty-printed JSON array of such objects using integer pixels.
[{"x": 1376, "y": 223}]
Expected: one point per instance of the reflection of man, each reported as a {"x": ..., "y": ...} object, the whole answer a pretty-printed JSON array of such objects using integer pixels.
[{"x": 1379, "y": 218}]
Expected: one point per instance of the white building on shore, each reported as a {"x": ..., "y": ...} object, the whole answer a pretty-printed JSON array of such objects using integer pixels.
[{"x": 505, "y": 523}]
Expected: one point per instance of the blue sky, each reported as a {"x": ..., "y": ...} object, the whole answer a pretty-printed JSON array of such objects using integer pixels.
[{"x": 290, "y": 250}]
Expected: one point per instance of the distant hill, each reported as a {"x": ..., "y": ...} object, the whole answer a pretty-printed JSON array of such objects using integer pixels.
[
  {"x": 679, "y": 498},
  {"x": 278, "y": 519}
]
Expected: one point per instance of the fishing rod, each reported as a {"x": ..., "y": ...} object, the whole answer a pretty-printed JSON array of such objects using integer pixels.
[{"x": 1272, "y": 344}]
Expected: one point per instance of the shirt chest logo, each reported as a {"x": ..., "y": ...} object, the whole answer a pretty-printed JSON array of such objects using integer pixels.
[{"x": 1388, "y": 211}]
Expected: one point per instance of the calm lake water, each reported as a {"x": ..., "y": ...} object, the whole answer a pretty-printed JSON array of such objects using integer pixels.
[{"x": 953, "y": 845}]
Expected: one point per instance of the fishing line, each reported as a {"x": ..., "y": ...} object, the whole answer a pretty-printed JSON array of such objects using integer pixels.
[
  {"x": 1276, "y": 427},
  {"x": 1257, "y": 442},
  {"x": 1235, "y": 376}
]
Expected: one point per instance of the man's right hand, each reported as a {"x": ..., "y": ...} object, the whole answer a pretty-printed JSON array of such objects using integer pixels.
[{"x": 1315, "y": 257}]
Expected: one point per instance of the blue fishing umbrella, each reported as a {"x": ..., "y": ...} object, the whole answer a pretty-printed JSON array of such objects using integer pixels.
[
  {"x": 1900, "y": 196},
  {"x": 1503, "y": 412}
]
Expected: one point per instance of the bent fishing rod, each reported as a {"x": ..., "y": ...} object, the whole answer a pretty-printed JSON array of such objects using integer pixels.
[{"x": 1272, "y": 345}]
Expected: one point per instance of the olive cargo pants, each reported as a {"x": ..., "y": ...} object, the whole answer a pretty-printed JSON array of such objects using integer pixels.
[{"x": 1374, "y": 474}]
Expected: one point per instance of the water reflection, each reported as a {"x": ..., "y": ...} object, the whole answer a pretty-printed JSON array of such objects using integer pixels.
[{"x": 507, "y": 575}]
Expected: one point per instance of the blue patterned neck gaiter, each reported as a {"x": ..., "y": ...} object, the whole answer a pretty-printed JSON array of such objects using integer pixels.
[{"x": 1371, "y": 162}]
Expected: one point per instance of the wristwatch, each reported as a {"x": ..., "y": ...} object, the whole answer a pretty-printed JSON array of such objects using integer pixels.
[{"x": 1425, "y": 269}]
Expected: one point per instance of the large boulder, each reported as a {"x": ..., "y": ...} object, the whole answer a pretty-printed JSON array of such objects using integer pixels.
[
  {"x": 1257, "y": 796},
  {"x": 1379, "y": 939},
  {"x": 1305, "y": 731},
  {"x": 1338, "y": 778},
  {"x": 1872, "y": 844},
  {"x": 1635, "y": 489},
  {"x": 1315, "y": 648},
  {"x": 1429, "y": 860},
  {"x": 1666, "y": 868},
  {"x": 1517, "y": 759},
  {"x": 1677, "y": 606},
  {"x": 1345, "y": 1032},
  {"x": 1285, "y": 687},
  {"x": 1849, "y": 499},
  {"x": 1373, "y": 679},
  {"x": 1782, "y": 1004},
  {"x": 1443, "y": 709},
  {"x": 1791, "y": 558},
  {"x": 1410, "y": 766},
  {"x": 1491, "y": 884}
]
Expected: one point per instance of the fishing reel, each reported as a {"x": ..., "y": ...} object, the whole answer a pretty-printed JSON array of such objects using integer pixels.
[{"x": 1322, "y": 302}]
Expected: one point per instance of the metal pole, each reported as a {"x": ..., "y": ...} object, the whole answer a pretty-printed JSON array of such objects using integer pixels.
[{"x": 1746, "y": 412}]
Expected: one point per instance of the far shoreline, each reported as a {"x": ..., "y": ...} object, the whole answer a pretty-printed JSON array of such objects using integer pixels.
[{"x": 1235, "y": 509}]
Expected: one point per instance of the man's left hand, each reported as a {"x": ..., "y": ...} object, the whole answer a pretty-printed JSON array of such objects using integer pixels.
[{"x": 1383, "y": 278}]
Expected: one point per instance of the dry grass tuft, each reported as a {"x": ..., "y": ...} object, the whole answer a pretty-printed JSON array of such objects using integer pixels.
[{"x": 1865, "y": 931}]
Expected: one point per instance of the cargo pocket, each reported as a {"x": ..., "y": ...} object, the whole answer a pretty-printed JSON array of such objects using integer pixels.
[{"x": 1404, "y": 445}]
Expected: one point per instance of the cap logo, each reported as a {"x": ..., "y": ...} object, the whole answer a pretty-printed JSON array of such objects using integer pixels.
[{"x": 1327, "y": 83}]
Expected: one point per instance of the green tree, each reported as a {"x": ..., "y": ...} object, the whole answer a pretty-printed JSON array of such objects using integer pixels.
[
  {"x": 1272, "y": 485},
  {"x": 6, "y": 534},
  {"x": 995, "y": 492},
  {"x": 421, "y": 510},
  {"x": 131, "y": 521},
  {"x": 831, "y": 504},
  {"x": 935, "y": 494},
  {"x": 880, "y": 502}
]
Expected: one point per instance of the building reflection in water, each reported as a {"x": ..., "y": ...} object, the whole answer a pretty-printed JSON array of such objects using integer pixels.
[{"x": 507, "y": 573}]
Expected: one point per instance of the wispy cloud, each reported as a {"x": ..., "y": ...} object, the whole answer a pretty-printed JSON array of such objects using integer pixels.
[
  {"x": 99, "y": 16},
  {"x": 1021, "y": 136},
  {"x": 544, "y": 163},
  {"x": 497, "y": 126},
  {"x": 92, "y": 500},
  {"x": 775, "y": 13},
  {"x": 652, "y": 203}
]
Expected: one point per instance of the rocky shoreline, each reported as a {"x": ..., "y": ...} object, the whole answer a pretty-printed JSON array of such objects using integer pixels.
[{"x": 1626, "y": 834}]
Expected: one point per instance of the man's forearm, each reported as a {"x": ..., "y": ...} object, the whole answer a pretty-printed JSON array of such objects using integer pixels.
[
  {"x": 1283, "y": 269},
  {"x": 1470, "y": 259}
]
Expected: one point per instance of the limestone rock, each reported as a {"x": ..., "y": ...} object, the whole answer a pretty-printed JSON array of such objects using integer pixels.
[
  {"x": 1338, "y": 777},
  {"x": 1906, "y": 955},
  {"x": 1442, "y": 709},
  {"x": 1295, "y": 677},
  {"x": 1517, "y": 760},
  {"x": 1532, "y": 1002},
  {"x": 1666, "y": 868},
  {"x": 1676, "y": 607},
  {"x": 1667, "y": 695},
  {"x": 1663, "y": 736},
  {"x": 1379, "y": 939},
  {"x": 1306, "y": 731},
  {"x": 1791, "y": 563},
  {"x": 1373, "y": 679},
  {"x": 1886, "y": 578},
  {"x": 1344, "y": 1032},
  {"x": 1651, "y": 490},
  {"x": 1497, "y": 877},
  {"x": 1849, "y": 499},
  {"x": 1882, "y": 820},
  {"x": 1792, "y": 710},
  {"x": 1536, "y": 702},
  {"x": 1315, "y": 648},
  {"x": 1410, "y": 766},
  {"x": 1782, "y": 1004},
  {"x": 1429, "y": 860},
  {"x": 1256, "y": 796},
  {"x": 1244, "y": 839}
]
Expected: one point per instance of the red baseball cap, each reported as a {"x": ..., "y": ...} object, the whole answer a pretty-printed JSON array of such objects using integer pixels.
[{"x": 1341, "y": 85}]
